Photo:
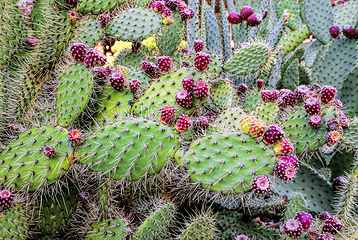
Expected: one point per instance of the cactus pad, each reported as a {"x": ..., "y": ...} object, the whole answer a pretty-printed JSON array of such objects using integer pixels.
[
  {"x": 130, "y": 149},
  {"x": 221, "y": 95},
  {"x": 73, "y": 94},
  {"x": 134, "y": 25},
  {"x": 24, "y": 165},
  {"x": 237, "y": 160},
  {"x": 96, "y": 7},
  {"x": 250, "y": 60},
  {"x": 114, "y": 228},
  {"x": 14, "y": 223},
  {"x": 89, "y": 32},
  {"x": 318, "y": 192}
]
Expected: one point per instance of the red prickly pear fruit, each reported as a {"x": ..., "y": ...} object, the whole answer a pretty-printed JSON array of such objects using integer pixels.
[
  {"x": 348, "y": 31},
  {"x": 164, "y": 64},
  {"x": 117, "y": 81},
  {"x": 301, "y": 92},
  {"x": 167, "y": 12},
  {"x": 242, "y": 88},
  {"x": 246, "y": 11},
  {"x": 183, "y": 98},
  {"x": 94, "y": 58},
  {"x": 274, "y": 95},
  {"x": 201, "y": 122},
  {"x": 312, "y": 106},
  {"x": 201, "y": 61},
  {"x": 339, "y": 182},
  {"x": 324, "y": 216},
  {"x": 273, "y": 135},
  {"x": 289, "y": 159},
  {"x": 75, "y": 137},
  {"x": 327, "y": 94},
  {"x": 305, "y": 219},
  {"x": 167, "y": 114},
  {"x": 314, "y": 121},
  {"x": 260, "y": 84},
  {"x": 104, "y": 19},
  {"x": 266, "y": 95},
  {"x": 198, "y": 45},
  {"x": 183, "y": 123},
  {"x": 254, "y": 20},
  {"x": 78, "y": 51},
  {"x": 293, "y": 228},
  {"x": 49, "y": 151},
  {"x": 159, "y": 6},
  {"x": 261, "y": 185},
  {"x": 6, "y": 198},
  {"x": 334, "y": 31},
  {"x": 188, "y": 83},
  {"x": 332, "y": 225},
  {"x": 134, "y": 85},
  {"x": 234, "y": 18},
  {"x": 285, "y": 171},
  {"x": 201, "y": 90}
]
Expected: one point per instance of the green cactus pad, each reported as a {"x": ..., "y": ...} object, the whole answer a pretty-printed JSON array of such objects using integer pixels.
[
  {"x": 232, "y": 223},
  {"x": 252, "y": 100},
  {"x": 267, "y": 112},
  {"x": 113, "y": 104},
  {"x": 319, "y": 18},
  {"x": 134, "y": 25},
  {"x": 317, "y": 191},
  {"x": 229, "y": 119},
  {"x": 345, "y": 14},
  {"x": 291, "y": 80},
  {"x": 348, "y": 93},
  {"x": 250, "y": 60},
  {"x": 293, "y": 9},
  {"x": 89, "y": 32},
  {"x": 24, "y": 165},
  {"x": 14, "y": 223},
  {"x": 131, "y": 149},
  {"x": 113, "y": 228},
  {"x": 291, "y": 40},
  {"x": 304, "y": 77},
  {"x": 213, "y": 36},
  {"x": 343, "y": 162},
  {"x": 302, "y": 135},
  {"x": 156, "y": 224},
  {"x": 311, "y": 53},
  {"x": 163, "y": 92},
  {"x": 221, "y": 95},
  {"x": 338, "y": 62},
  {"x": 73, "y": 94},
  {"x": 169, "y": 38},
  {"x": 228, "y": 162},
  {"x": 96, "y": 7},
  {"x": 351, "y": 133},
  {"x": 200, "y": 226},
  {"x": 54, "y": 213},
  {"x": 298, "y": 54},
  {"x": 297, "y": 204}
]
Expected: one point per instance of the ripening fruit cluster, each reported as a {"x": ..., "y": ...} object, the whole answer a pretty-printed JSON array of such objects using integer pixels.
[{"x": 247, "y": 14}]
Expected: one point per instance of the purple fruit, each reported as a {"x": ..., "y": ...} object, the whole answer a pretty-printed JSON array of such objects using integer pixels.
[
  {"x": 312, "y": 106},
  {"x": 356, "y": 34},
  {"x": 348, "y": 31},
  {"x": 293, "y": 228},
  {"x": 265, "y": 14},
  {"x": 254, "y": 20},
  {"x": 332, "y": 124},
  {"x": 242, "y": 88},
  {"x": 261, "y": 185},
  {"x": 246, "y": 11},
  {"x": 198, "y": 45},
  {"x": 301, "y": 92},
  {"x": 324, "y": 216},
  {"x": 334, "y": 31},
  {"x": 332, "y": 225},
  {"x": 339, "y": 182},
  {"x": 234, "y": 18},
  {"x": 305, "y": 219},
  {"x": 315, "y": 121}
]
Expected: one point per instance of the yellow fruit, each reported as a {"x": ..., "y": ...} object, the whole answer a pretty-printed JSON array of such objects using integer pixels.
[
  {"x": 257, "y": 128},
  {"x": 246, "y": 122}
]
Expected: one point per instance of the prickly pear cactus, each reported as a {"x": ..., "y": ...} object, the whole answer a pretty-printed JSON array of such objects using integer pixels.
[
  {"x": 130, "y": 149},
  {"x": 113, "y": 228},
  {"x": 24, "y": 165}
]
